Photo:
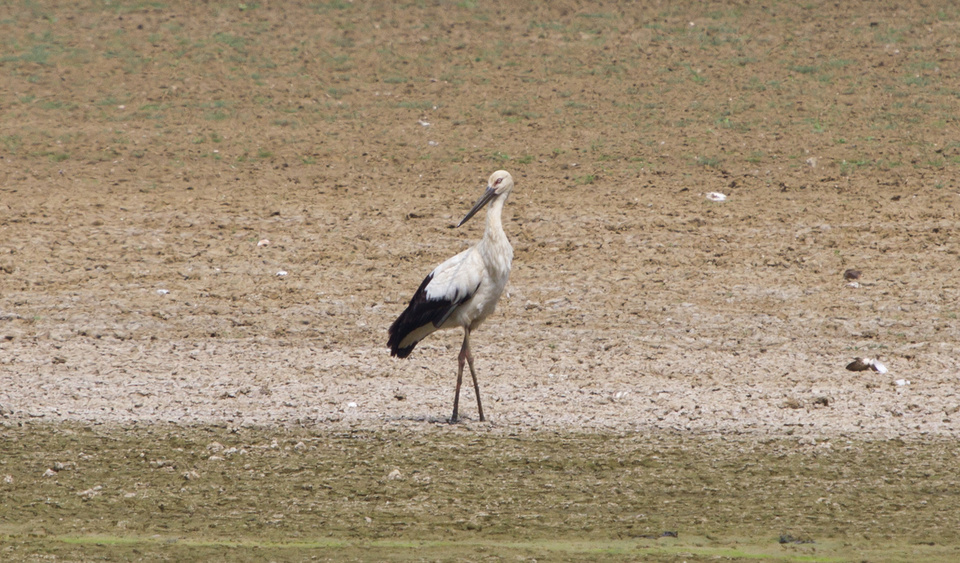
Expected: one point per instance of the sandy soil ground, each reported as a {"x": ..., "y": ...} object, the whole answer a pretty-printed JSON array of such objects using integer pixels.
[{"x": 152, "y": 148}]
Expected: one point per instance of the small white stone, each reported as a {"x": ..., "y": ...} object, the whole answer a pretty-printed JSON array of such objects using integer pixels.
[
  {"x": 901, "y": 382},
  {"x": 263, "y": 242},
  {"x": 716, "y": 196},
  {"x": 282, "y": 273},
  {"x": 90, "y": 493},
  {"x": 351, "y": 405},
  {"x": 163, "y": 291},
  {"x": 49, "y": 473}
]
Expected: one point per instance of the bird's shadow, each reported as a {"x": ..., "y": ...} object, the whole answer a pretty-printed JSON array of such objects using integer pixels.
[{"x": 432, "y": 419}]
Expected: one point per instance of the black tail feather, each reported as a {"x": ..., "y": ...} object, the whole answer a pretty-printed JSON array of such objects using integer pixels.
[{"x": 397, "y": 335}]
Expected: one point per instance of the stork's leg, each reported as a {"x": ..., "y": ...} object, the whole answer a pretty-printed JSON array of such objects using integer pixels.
[
  {"x": 473, "y": 373},
  {"x": 461, "y": 359}
]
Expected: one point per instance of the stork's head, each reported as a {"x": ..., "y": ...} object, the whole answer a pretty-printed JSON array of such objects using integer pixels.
[{"x": 499, "y": 185}]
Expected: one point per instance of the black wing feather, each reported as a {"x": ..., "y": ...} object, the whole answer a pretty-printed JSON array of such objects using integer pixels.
[{"x": 420, "y": 312}]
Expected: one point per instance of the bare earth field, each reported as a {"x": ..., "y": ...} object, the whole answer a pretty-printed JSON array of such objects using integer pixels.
[{"x": 661, "y": 362}]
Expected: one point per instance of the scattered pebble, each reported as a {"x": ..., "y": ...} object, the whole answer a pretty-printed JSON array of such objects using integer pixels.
[
  {"x": 863, "y": 364},
  {"x": 163, "y": 291},
  {"x": 282, "y": 273},
  {"x": 8, "y": 479},
  {"x": 854, "y": 285},
  {"x": 433, "y": 143},
  {"x": 394, "y": 475},
  {"x": 852, "y": 274},
  {"x": 263, "y": 242},
  {"x": 716, "y": 196},
  {"x": 812, "y": 162},
  {"x": 49, "y": 473},
  {"x": 901, "y": 382},
  {"x": 351, "y": 405},
  {"x": 424, "y": 123}
]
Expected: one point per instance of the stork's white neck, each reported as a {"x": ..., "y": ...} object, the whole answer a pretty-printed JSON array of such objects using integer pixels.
[
  {"x": 494, "y": 231},
  {"x": 494, "y": 247}
]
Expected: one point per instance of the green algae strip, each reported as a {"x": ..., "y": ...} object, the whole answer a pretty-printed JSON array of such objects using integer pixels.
[
  {"x": 83, "y": 491},
  {"x": 764, "y": 549},
  {"x": 671, "y": 546}
]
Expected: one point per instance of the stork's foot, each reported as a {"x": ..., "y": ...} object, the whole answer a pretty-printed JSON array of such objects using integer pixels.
[{"x": 457, "y": 420}]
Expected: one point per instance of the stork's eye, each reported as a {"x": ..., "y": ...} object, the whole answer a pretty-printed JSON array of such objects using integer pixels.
[{"x": 497, "y": 183}]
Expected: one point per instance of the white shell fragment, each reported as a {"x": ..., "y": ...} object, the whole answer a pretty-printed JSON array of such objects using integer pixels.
[
  {"x": 901, "y": 382},
  {"x": 423, "y": 123},
  {"x": 716, "y": 196},
  {"x": 163, "y": 291},
  {"x": 351, "y": 405},
  {"x": 863, "y": 364},
  {"x": 263, "y": 242},
  {"x": 282, "y": 273}
]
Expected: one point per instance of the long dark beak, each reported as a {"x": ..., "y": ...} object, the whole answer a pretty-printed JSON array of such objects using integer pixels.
[{"x": 484, "y": 199}]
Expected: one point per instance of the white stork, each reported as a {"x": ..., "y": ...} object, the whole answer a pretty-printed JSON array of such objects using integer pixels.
[{"x": 462, "y": 291}]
